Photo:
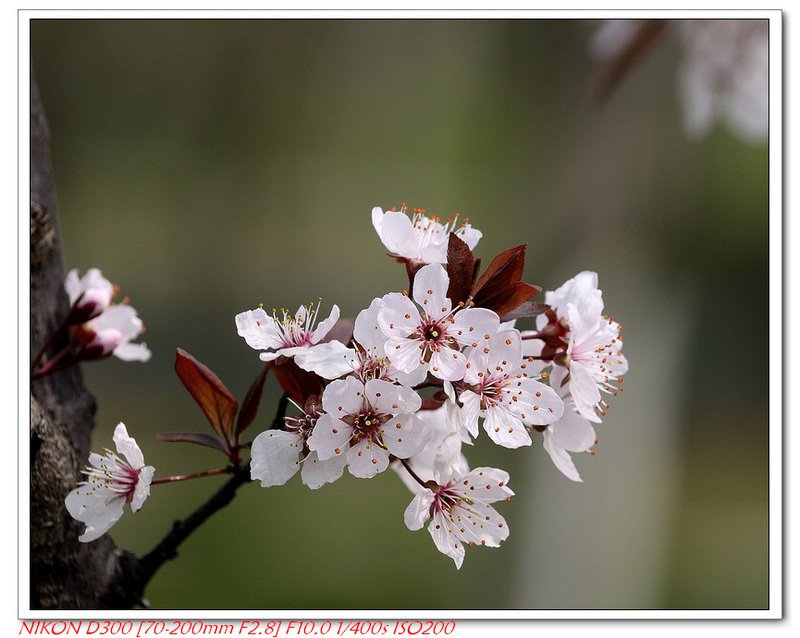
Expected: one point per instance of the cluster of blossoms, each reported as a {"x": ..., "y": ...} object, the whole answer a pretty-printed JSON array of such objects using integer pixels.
[
  {"x": 419, "y": 373},
  {"x": 96, "y": 327},
  {"x": 405, "y": 386}
]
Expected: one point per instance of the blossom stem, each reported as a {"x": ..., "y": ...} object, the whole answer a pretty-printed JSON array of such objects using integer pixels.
[
  {"x": 183, "y": 477},
  {"x": 53, "y": 364},
  {"x": 53, "y": 336},
  {"x": 412, "y": 472}
]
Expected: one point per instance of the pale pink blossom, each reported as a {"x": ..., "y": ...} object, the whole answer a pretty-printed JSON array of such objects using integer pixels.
[
  {"x": 288, "y": 335},
  {"x": 277, "y": 455},
  {"x": 499, "y": 388},
  {"x": 420, "y": 239},
  {"x": 367, "y": 422},
  {"x": 460, "y": 512},
  {"x": 592, "y": 363},
  {"x": 111, "y": 482},
  {"x": 431, "y": 333},
  {"x": 88, "y": 295}
]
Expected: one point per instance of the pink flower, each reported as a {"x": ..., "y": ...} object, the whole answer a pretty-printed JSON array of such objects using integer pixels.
[
  {"x": 459, "y": 510},
  {"x": 432, "y": 335},
  {"x": 420, "y": 239},
  {"x": 111, "y": 482},
  {"x": 288, "y": 335},
  {"x": 593, "y": 362},
  {"x": 366, "y": 422},
  {"x": 497, "y": 387},
  {"x": 277, "y": 455}
]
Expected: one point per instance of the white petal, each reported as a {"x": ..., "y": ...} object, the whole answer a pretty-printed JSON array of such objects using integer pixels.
[
  {"x": 445, "y": 541},
  {"x": 126, "y": 445},
  {"x": 142, "y": 489},
  {"x": 324, "y": 327},
  {"x": 316, "y": 473},
  {"x": 330, "y": 360},
  {"x": 366, "y": 459},
  {"x": 405, "y": 435},
  {"x": 430, "y": 290},
  {"x": 98, "y": 515},
  {"x": 418, "y": 511},
  {"x": 275, "y": 457},
  {"x": 504, "y": 429},
  {"x": 330, "y": 437},
  {"x": 258, "y": 329},
  {"x": 560, "y": 457}
]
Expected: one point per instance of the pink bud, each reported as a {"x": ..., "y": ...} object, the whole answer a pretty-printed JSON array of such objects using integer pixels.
[{"x": 101, "y": 344}]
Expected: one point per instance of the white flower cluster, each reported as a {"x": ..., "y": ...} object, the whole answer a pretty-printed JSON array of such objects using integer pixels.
[{"x": 421, "y": 373}]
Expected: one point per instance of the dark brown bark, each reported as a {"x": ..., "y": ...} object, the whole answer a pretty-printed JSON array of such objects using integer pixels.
[{"x": 64, "y": 573}]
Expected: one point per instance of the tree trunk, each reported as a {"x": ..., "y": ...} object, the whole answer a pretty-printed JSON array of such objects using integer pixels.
[{"x": 64, "y": 573}]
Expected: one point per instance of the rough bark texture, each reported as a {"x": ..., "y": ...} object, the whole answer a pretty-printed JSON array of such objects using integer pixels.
[{"x": 64, "y": 573}]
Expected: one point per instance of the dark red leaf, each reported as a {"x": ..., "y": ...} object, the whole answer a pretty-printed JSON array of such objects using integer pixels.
[
  {"x": 499, "y": 288},
  {"x": 299, "y": 384},
  {"x": 198, "y": 438},
  {"x": 504, "y": 269},
  {"x": 251, "y": 401},
  {"x": 211, "y": 395},
  {"x": 527, "y": 309},
  {"x": 462, "y": 268}
]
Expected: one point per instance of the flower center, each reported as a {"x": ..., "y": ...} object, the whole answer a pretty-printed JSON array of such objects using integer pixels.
[
  {"x": 113, "y": 475},
  {"x": 296, "y": 330}
]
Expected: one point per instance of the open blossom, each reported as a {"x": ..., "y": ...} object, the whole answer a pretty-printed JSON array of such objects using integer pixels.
[
  {"x": 460, "y": 512},
  {"x": 366, "y": 422},
  {"x": 296, "y": 335},
  {"x": 368, "y": 359},
  {"x": 571, "y": 433},
  {"x": 277, "y": 455},
  {"x": 497, "y": 387},
  {"x": 432, "y": 335},
  {"x": 593, "y": 362},
  {"x": 111, "y": 482},
  {"x": 420, "y": 238}
]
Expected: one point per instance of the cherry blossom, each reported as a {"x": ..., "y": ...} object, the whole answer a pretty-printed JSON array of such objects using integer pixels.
[
  {"x": 366, "y": 422},
  {"x": 277, "y": 455},
  {"x": 119, "y": 323},
  {"x": 100, "y": 327},
  {"x": 432, "y": 337},
  {"x": 111, "y": 482},
  {"x": 420, "y": 239},
  {"x": 497, "y": 387},
  {"x": 592, "y": 362},
  {"x": 458, "y": 506},
  {"x": 296, "y": 335}
]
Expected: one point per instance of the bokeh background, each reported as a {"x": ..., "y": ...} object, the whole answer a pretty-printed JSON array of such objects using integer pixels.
[{"x": 207, "y": 166}]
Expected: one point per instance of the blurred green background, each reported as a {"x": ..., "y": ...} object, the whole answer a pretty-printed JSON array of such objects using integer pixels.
[{"x": 207, "y": 166}]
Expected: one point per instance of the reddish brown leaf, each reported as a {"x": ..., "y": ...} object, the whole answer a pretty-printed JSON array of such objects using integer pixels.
[
  {"x": 299, "y": 384},
  {"x": 251, "y": 401},
  {"x": 505, "y": 268},
  {"x": 527, "y": 309},
  {"x": 462, "y": 269},
  {"x": 198, "y": 438},
  {"x": 499, "y": 288},
  {"x": 211, "y": 395}
]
